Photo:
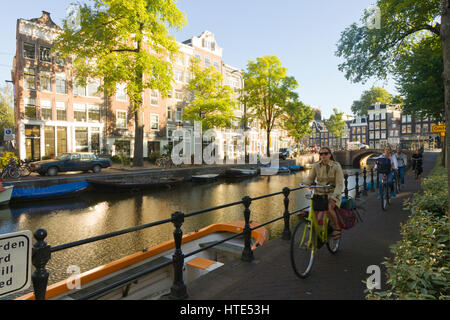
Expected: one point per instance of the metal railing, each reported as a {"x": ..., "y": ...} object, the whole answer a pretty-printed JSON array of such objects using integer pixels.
[{"x": 41, "y": 252}]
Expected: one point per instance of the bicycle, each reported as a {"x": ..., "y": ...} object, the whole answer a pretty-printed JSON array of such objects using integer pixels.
[
  {"x": 24, "y": 168},
  {"x": 397, "y": 183},
  {"x": 385, "y": 196},
  {"x": 11, "y": 170},
  {"x": 308, "y": 237}
]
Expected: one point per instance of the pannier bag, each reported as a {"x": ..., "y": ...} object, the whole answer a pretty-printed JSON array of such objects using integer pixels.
[
  {"x": 320, "y": 202},
  {"x": 347, "y": 218},
  {"x": 384, "y": 165}
]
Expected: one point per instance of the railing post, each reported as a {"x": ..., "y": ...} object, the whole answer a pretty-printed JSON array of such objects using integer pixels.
[
  {"x": 178, "y": 290},
  {"x": 40, "y": 255},
  {"x": 287, "y": 230},
  {"x": 346, "y": 186},
  {"x": 247, "y": 253},
  {"x": 357, "y": 185},
  {"x": 365, "y": 182},
  {"x": 372, "y": 183},
  {"x": 378, "y": 180}
]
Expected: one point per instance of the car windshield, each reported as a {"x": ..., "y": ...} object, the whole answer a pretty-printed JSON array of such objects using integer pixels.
[{"x": 64, "y": 156}]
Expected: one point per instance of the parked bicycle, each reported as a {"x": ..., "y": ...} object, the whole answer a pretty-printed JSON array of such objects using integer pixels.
[
  {"x": 166, "y": 162},
  {"x": 24, "y": 168},
  {"x": 11, "y": 170},
  {"x": 309, "y": 236}
]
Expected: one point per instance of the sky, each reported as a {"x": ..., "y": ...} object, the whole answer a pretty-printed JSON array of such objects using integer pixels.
[{"x": 303, "y": 34}]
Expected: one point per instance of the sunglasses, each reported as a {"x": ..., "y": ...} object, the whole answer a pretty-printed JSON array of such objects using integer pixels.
[{"x": 324, "y": 153}]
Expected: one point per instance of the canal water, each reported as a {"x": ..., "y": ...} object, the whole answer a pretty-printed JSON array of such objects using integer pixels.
[{"x": 94, "y": 213}]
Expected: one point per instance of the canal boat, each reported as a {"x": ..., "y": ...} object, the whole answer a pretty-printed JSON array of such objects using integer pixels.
[
  {"x": 296, "y": 168},
  {"x": 133, "y": 183},
  {"x": 270, "y": 171},
  {"x": 5, "y": 194},
  {"x": 49, "y": 193},
  {"x": 205, "y": 177},
  {"x": 240, "y": 173},
  {"x": 154, "y": 285}
]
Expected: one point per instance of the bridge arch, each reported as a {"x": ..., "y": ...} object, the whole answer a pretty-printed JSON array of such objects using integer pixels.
[{"x": 359, "y": 154}]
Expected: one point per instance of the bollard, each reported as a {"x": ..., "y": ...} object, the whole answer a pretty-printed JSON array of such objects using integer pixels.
[
  {"x": 372, "y": 183},
  {"x": 365, "y": 182},
  {"x": 287, "y": 231},
  {"x": 357, "y": 185},
  {"x": 178, "y": 290},
  {"x": 346, "y": 186},
  {"x": 40, "y": 255},
  {"x": 247, "y": 253}
]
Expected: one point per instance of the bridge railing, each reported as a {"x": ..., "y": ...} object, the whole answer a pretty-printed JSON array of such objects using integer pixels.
[{"x": 41, "y": 253}]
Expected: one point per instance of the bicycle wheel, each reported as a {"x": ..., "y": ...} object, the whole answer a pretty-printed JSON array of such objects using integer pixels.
[
  {"x": 303, "y": 249},
  {"x": 25, "y": 170},
  {"x": 384, "y": 199},
  {"x": 332, "y": 244},
  {"x": 14, "y": 172},
  {"x": 158, "y": 162}
]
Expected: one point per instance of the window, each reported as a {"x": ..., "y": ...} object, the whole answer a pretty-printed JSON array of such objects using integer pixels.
[
  {"x": 188, "y": 76},
  {"x": 154, "y": 122},
  {"x": 426, "y": 127},
  {"x": 93, "y": 88},
  {"x": 383, "y": 134},
  {"x": 81, "y": 139},
  {"x": 371, "y": 126},
  {"x": 78, "y": 90},
  {"x": 371, "y": 135},
  {"x": 29, "y": 51},
  {"x": 59, "y": 59},
  {"x": 30, "y": 108},
  {"x": 207, "y": 62},
  {"x": 377, "y": 116},
  {"x": 46, "y": 110},
  {"x": 179, "y": 75},
  {"x": 178, "y": 114},
  {"x": 383, "y": 124},
  {"x": 371, "y": 116},
  {"x": 61, "y": 111},
  {"x": 29, "y": 77},
  {"x": 45, "y": 54},
  {"x": 169, "y": 113},
  {"x": 198, "y": 56},
  {"x": 94, "y": 113},
  {"x": 79, "y": 112},
  {"x": 409, "y": 128},
  {"x": 61, "y": 82},
  {"x": 418, "y": 128},
  {"x": 121, "y": 119},
  {"x": 180, "y": 60},
  {"x": 383, "y": 116},
  {"x": 377, "y": 134},
  {"x": 178, "y": 94},
  {"x": 377, "y": 125},
  {"x": 216, "y": 65},
  {"x": 61, "y": 141},
  {"x": 404, "y": 129},
  {"x": 46, "y": 81},
  {"x": 154, "y": 97},
  {"x": 121, "y": 92},
  {"x": 49, "y": 133},
  {"x": 95, "y": 140}
]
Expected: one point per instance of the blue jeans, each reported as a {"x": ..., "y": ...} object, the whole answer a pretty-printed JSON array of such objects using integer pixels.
[
  {"x": 390, "y": 179},
  {"x": 401, "y": 172}
]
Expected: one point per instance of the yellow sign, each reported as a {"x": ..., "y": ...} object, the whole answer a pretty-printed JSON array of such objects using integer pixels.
[
  {"x": 443, "y": 134},
  {"x": 438, "y": 128}
]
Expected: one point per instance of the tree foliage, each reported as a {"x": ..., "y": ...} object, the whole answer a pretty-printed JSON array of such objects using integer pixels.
[
  {"x": 6, "y": 110},
  {"x": 125, "y": 41},
  {"x": 297, "y": 119},
  {"x": 267, "y": 91},
  {"x": 212, "y": 102},
  {"x": 370, "y": 97},
  {"x": 336, "y": 124}
]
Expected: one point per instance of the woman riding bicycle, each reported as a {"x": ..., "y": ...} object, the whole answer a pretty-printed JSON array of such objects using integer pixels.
[
  {"x": 386, "y": 168},
  {"x": 329, "y": 171}
]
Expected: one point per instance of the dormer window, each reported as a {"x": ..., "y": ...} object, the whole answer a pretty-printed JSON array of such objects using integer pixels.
[{"x": 211, "y": 45}]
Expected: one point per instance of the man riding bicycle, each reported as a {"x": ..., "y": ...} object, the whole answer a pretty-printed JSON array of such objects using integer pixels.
[
  {"x": 385, "y": 165},
  {"x": 417, "y": 160},
  {"x": 402, "y": 161}
]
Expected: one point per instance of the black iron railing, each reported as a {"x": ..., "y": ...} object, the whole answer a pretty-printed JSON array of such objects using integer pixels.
[{"x": 42, "y": 251}]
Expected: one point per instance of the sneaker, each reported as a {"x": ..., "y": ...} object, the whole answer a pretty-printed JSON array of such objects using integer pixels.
[{"x": 379, "y": 198}]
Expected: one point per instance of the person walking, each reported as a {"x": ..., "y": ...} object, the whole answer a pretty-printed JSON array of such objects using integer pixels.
[
  {"x": 329, "y": 171},
  {"x": 402, "y": 161}
]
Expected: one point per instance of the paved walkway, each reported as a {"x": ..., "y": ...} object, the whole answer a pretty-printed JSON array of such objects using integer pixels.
[{"x": 338, "y": 276}]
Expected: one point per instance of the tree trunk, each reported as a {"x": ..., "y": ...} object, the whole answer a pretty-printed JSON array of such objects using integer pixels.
[
  {"x": 138, "y": 156},
  {"x": 445, "y": 38},
  {"x": 268, "y": 142}
]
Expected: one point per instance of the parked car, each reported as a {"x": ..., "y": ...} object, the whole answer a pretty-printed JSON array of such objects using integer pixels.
[
  {"x": 285, "y": 153},
  {"x": 79, "y": 161}
]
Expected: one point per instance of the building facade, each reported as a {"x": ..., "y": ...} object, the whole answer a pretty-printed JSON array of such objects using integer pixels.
[{"x": 55, "y": 115}]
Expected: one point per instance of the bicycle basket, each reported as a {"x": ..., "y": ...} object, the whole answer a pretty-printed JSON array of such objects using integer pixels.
[{"x": 320, "y": 202}]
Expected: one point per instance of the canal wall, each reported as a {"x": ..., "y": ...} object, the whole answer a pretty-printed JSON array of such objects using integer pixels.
[{"x": 186, "y": 173}]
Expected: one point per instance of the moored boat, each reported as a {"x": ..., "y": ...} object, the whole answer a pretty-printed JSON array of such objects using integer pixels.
[
  {"x": 51, "y": 192},
  {"x": 270, "y": 171},
  {"x": 5, "y": 194},
  {"x": 205, "y": 177},
  {"x": 240, "y": 173},
  {"x": 133, "y": 183},
  {"x": 295, "y": 168},
  {"x": 157, "y": 283}
]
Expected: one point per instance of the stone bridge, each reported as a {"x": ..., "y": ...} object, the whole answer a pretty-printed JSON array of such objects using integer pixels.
[{"x": 353, "y": 157}]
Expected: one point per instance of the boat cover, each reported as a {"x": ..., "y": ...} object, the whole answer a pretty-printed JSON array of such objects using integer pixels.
[{"x": 52, "y": 191}]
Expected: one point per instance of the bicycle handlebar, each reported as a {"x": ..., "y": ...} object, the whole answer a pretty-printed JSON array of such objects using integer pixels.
[{"x": 316, "y": 186}]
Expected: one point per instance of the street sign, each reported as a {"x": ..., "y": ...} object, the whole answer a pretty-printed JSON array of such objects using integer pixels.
[
  {"x": 437, "y": 128},
  {"x": 8, "y": 135},
  {"x": 15, "y": 262}
]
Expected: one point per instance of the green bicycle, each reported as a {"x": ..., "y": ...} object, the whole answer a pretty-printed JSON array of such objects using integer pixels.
[{"x": 308, "y": 237}]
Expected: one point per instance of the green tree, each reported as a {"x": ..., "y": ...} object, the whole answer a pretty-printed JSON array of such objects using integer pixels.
[
  {"x": 297, "y": 119},
  {"x": 419, "y": 79},
  {"x": 6, "y": 110},
  {"x": 368, "y": 98},
  {"x": 267, "y": 91},
  {"x": 336, "y": 124},
  {"x": 212, "y": 102},
  {"x": 125, "y": 41}
]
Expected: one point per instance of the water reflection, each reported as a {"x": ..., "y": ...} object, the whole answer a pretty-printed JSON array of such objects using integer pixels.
[{"x": 95, "y": 213}]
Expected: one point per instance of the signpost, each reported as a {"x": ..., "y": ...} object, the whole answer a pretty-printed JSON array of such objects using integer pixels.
[
  {"x": 15, "y": 262},
  {"x": 438, "y": 128},
  {"x": 8, "y": 135}
]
